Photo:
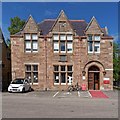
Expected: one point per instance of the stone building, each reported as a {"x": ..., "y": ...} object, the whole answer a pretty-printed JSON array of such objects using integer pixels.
[
  {"x": 5, "y": 64},
  {"x": 56, "y": 53}
]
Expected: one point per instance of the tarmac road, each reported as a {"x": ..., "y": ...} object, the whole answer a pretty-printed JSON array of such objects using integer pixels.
[{"x": 58, "y": 105}]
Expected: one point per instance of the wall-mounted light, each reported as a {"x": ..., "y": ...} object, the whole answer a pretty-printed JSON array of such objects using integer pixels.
[
  {"x": 83, "y": 72},
  {"x": 104, "y": 72}
]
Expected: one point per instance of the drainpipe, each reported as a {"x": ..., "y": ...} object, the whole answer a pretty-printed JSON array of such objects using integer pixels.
[{"x": 45, "y": 38}]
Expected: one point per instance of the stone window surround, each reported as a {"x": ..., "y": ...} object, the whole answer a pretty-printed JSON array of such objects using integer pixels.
[
  {"x": 67, "y": 42},
  {"x": 32, "y": 64},
  {"x": 59, "y": 73},
  {"x": 31, "y": 42},
  {"x": 93, "y": 40}
]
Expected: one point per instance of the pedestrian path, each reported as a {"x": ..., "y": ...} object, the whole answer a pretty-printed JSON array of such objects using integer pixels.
[{"x": 84, "y": 94}]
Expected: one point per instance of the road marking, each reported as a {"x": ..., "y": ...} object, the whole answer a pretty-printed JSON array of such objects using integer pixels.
[
  {"x": 78, "y": 93},
  {"x": 89, "y": 94},
  {"x": 55, "y": 94},
  {"x": 68, "y": 93}
]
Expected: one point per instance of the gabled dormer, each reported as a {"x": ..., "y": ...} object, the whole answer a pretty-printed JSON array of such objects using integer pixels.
[
  {"x": 62, "y": 24},
  {"x": 93, "y": 33},
  {"x": 30, "y": 26},
  {"x": 93, "y": 27},
  {"x": 30, "y": 31}
]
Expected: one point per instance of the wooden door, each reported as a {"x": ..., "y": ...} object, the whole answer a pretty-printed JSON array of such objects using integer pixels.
[
  {"x": 96, "y": 81},
  {"x": 91, "y": 81}
]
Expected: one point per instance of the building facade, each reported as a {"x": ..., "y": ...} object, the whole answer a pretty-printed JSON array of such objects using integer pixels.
[
  {"x": 5, "y": 64},
  {"x": 56, "y": 53}
]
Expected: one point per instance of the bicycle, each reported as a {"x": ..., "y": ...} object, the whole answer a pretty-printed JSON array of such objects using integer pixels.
[{"x": 74, "y": 88}]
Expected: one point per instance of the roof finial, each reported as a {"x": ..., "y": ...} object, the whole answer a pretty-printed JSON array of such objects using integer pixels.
[
  {"x": 62, "y": 11},
  {"x": 106, "y": 30},
  {"x": 93, "y": 17}
]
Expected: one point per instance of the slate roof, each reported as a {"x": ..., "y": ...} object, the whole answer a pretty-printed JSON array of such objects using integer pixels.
[
  {"x": 78, "y": 25},
  {"x": 45, "y": 26}
]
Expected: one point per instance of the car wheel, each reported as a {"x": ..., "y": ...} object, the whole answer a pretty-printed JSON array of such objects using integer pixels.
[
  {"x": 30, "y": 89},
  {"x": 23, "y": 90}
]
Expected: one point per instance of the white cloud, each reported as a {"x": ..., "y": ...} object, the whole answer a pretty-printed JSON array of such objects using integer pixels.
[{"x": 116, "y": 37}]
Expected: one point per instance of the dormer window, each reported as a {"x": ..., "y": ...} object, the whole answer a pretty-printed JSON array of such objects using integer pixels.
[
  {"x": 31, "y": 43},
  {"x": 94, "y": 43}
]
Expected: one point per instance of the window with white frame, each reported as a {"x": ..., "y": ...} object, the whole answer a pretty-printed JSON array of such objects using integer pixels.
[
  {"x": 97, "y": 37},
  {"x": 55, "y": 37},
  {"x": 31, "y": 73},
  {"x": 94, "y": 43},
  {"x": 62, "y": 37},
  {"x": 62, "y": 46},
  {"x": 69, "y": 37},
  {"x": 56, "y": 47},
  {"x": 63, "y": 74},
  {"x": 31, "y": 43},
  {"x": 69, "y": 47},
  {"x": 63, "y": 43}
]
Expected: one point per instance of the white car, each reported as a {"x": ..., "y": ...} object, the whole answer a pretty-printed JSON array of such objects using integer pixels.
[{"x": 19, "y": 85}]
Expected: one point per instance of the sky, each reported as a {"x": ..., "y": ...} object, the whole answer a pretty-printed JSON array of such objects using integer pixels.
[{"x": 106, "y": 13}]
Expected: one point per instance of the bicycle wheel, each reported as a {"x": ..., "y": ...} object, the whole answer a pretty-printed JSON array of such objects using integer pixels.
[{"x": 70, "y": 88}]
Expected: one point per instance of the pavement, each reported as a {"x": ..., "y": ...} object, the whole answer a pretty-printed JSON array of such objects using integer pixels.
[{"x": 59, "y": 104}]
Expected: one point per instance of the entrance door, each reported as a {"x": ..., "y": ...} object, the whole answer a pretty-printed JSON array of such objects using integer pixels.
[
  {"x": 96, "y": 81},
  {"x": 93, "y": 78},
  {"x": 91, "y": 81}
]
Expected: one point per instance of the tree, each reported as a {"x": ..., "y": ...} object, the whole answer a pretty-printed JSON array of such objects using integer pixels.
[
  {"x": 116, "y": 62},
  {"x": 16, "y": 25}
]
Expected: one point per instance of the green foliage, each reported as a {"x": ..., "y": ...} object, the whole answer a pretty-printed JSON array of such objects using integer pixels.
[
  {"x": 16, "y": 25},
  {"x": 116, "y": 62}
]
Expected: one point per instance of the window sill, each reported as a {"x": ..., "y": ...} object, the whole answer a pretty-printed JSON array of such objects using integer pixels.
[
  {"x": 56, "y": 83},
  {"x": 93, "y": 52},
  {"x": 63, "y": 83},
  {"x": 69, "y": 83},
  {"x": 34, "y": 83},
  {"x": 31, "y": 52},
  {"x": 63, "y": 53}
]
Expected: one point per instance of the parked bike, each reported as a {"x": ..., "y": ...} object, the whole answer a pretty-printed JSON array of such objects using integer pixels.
[{"x": 74, "y": 88}]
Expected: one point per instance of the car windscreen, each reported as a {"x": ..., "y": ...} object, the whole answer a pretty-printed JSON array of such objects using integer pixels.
[{"x": 18, "y": 81}]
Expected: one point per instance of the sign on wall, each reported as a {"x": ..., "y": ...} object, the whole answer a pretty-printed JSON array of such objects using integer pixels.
[{"x": 106, "y": 81}]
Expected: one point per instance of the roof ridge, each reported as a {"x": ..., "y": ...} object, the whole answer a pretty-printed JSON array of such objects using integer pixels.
[{"x": 69, "y": 20}]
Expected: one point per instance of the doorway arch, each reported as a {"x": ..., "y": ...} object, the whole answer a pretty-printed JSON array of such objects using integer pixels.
[{"x": 93, "y": 78}]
